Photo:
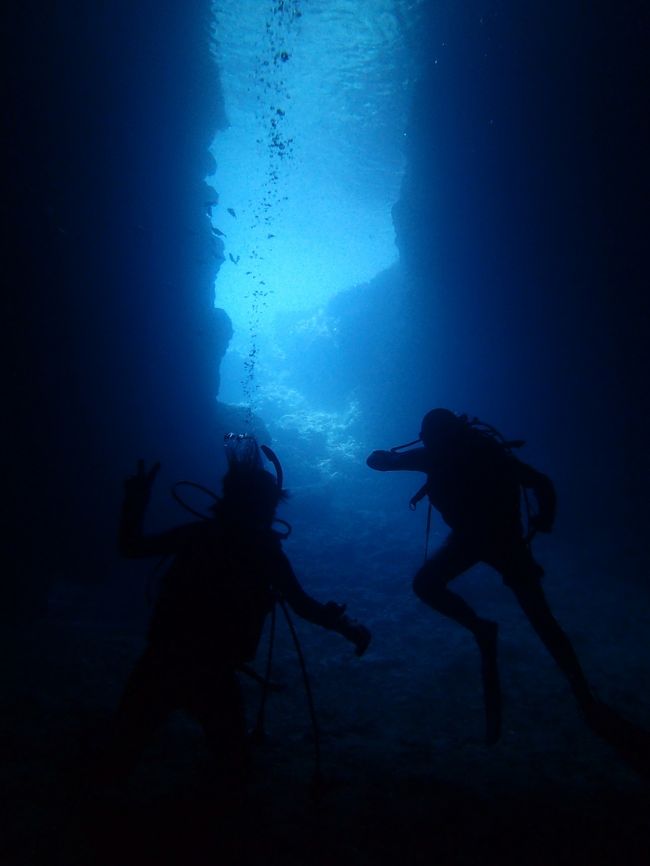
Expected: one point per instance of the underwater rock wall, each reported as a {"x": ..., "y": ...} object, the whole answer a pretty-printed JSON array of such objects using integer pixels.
[{"x": 112, "y": 340}]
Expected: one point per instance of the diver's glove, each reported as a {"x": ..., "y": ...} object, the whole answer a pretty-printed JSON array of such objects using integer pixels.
[
  {"x": 137, "y": 491},
  {"x": 381, "y": 460},
  {"x": 137, "y": 488},
  {"x": 351, "y": 629}
]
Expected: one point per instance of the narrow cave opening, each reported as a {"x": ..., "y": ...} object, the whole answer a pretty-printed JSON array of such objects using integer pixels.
[{"x": 307, "y": 172}]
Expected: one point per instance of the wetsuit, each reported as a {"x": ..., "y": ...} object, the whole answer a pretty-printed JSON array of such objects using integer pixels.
[
  {"x": 475, "y": 484},
  {"x": 206, "y": 624}
]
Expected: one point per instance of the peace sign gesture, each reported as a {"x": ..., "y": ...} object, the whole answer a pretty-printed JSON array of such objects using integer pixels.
[{"x": 137, "y": 488}]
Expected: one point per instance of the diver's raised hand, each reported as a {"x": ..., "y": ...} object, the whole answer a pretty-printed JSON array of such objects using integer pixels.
[{"x": 137, "y": 488}]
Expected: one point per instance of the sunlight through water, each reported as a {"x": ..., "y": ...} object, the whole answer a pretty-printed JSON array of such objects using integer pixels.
[{"x": 311, "y": 163}]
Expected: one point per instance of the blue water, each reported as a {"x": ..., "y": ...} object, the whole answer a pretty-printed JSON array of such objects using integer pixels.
[{"x": 314, "y": 221}]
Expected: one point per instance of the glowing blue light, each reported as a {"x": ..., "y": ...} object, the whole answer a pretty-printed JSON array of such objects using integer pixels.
[{"x": 307, "y": 173}]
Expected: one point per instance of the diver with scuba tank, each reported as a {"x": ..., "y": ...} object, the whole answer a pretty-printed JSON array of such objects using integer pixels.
[
  {"x": 226, "y": 572},
  {"x": 475, "y": 481}
]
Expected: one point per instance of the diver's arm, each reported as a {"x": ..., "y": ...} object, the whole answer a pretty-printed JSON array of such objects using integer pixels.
[
  {"x": 330, "y": 616},
  {"x": 415, "y": 460},
  {"x": 302, "y": 603},
  {"x": 132, "y": 542},
  {"x": 544, "y": 491}
]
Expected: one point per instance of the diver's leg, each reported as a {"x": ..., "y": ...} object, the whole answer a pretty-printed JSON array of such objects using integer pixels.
[
  {"x": 143, "y": 707},
  {"x": 530, "y": 595},
  {"x": 218, "y": 706},
  {"x": 431, "y": 586},
  {"x": 214, "y": 700}
]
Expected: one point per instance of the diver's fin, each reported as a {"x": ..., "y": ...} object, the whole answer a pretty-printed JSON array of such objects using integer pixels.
[{"x": 491, "y": 685}]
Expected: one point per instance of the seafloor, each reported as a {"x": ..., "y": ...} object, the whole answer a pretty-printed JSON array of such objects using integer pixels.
[{"x": 407, "y": 779}]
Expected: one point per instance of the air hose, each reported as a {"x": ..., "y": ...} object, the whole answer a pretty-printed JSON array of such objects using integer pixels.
[
  {"x": 318, "y": 775},
  {"x": 183, "y": 504},
  {"x": 258, "y": 731}
]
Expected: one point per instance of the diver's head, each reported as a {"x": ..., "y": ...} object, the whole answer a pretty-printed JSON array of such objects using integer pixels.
[
  {"x": 439, "y": 427},
  {"x": 250, "y": 493}
]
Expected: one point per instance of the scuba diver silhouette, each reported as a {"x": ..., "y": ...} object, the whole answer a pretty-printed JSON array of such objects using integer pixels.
[
  {"x": 475, "y": 481},
  {"x": 226, "y": 572}
]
